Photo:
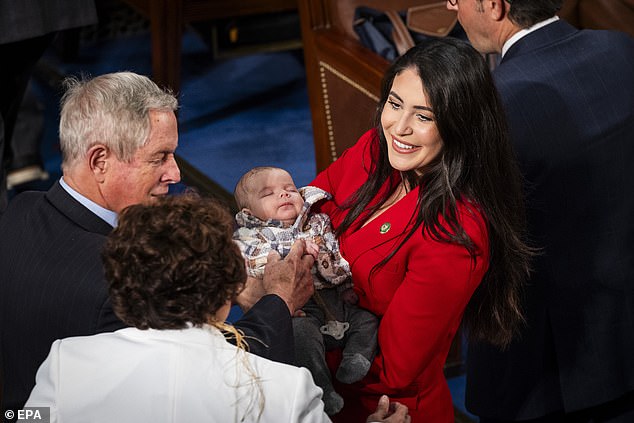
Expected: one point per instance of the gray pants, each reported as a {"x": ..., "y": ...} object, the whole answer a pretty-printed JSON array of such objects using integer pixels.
[{"x": 311, "y": 345}]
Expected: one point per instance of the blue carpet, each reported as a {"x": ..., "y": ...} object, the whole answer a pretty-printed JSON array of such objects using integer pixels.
[
  {"x": 235, "y": 113},
  {"x": 258, "y": 115}
]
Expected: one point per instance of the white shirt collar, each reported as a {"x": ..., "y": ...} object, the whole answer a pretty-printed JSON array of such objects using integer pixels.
[
  {"x": 522, "y": 33},
  {"x": 108, "y": 216}
]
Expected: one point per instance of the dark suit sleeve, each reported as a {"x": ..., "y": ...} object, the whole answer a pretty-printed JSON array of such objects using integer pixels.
[{"x": 269, "y": 330}]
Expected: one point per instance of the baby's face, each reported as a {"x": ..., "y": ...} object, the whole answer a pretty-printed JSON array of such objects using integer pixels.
[{"x": 272, "y": 194}]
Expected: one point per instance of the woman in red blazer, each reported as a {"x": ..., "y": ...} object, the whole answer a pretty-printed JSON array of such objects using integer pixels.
[{"x": 429, "y": 213}]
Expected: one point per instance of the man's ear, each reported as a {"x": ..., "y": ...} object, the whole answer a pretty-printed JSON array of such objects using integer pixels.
[
  {"x": 246, "y": 211},
  {"x": 98, "y": 156},
  {"x": 497, "y": 9}
]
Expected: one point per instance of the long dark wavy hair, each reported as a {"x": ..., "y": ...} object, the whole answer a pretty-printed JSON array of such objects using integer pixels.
[
  {"x": 173, "y": 262},
  {"x": 476, "y": 166}
]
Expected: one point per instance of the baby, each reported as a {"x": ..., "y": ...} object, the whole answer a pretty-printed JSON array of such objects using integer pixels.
[{"x": 273, "y": 214}]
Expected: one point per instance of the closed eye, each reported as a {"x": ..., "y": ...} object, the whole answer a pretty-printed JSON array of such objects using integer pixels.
[
  {"x": 423, "y": 118},
  {"x": 160, "y": 159},
  {"x": 394, "y": 105}
]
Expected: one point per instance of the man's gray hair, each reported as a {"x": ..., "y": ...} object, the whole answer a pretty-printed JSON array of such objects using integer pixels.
[{"x": 111, "y": 109}]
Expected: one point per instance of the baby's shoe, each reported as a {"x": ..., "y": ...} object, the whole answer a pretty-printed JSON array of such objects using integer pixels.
[
  {"x": 353, "y": 369},
  {"x": 333, "y": 403}
]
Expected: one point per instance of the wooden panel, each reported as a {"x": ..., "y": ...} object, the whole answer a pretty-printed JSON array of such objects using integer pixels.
[
  {"x": 339, "y": 72},
  {"x": 166, "y": 26},
  {"x": 349, "y": 116},
  {"x": 167, "y": 20},
  {"x": 342, "y": 12},
  {"x": 196, "y": 10}
]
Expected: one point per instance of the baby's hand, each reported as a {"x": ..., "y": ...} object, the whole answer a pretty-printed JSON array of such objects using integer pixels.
[
  {"x": 312, "y": 248},
  {"x": 299, "y": 313},
  {"x": 349, "y": 296}
]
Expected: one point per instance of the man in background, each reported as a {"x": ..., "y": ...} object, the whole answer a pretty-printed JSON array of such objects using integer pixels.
[
  {"x": 27, "y": 28},
  {"x": 569, "y": 97}
]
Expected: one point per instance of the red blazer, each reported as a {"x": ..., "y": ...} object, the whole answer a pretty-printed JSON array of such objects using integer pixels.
[{"x": 419, "y": 295}]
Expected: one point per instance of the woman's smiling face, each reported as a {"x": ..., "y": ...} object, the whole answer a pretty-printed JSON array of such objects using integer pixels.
[{"x": 409, "y": 126}]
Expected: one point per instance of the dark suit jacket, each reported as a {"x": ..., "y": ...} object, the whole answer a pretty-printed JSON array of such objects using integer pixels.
[
  {"x": 52, "y": 286},
  {"x": 32, "y": 18},
  {"x": 569, "y": 96}
]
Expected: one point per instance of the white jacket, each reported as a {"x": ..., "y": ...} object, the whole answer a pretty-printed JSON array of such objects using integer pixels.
[{"x": 156, "y": 376}]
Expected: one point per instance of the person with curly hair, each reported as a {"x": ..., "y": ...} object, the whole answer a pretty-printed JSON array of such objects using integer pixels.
[
  {"x": 173, "y": 272},
  {"x": 118, "y": 134}
]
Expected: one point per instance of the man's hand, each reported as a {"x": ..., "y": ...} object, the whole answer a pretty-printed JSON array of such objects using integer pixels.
[
  {"x": 251, "y": 293},
  {"x": 389, "y": 413},
  {"x": 290, "y": 278}
]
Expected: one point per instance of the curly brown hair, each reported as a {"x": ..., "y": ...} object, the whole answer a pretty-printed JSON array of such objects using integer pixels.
[{"x": 172, "y": 262}]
